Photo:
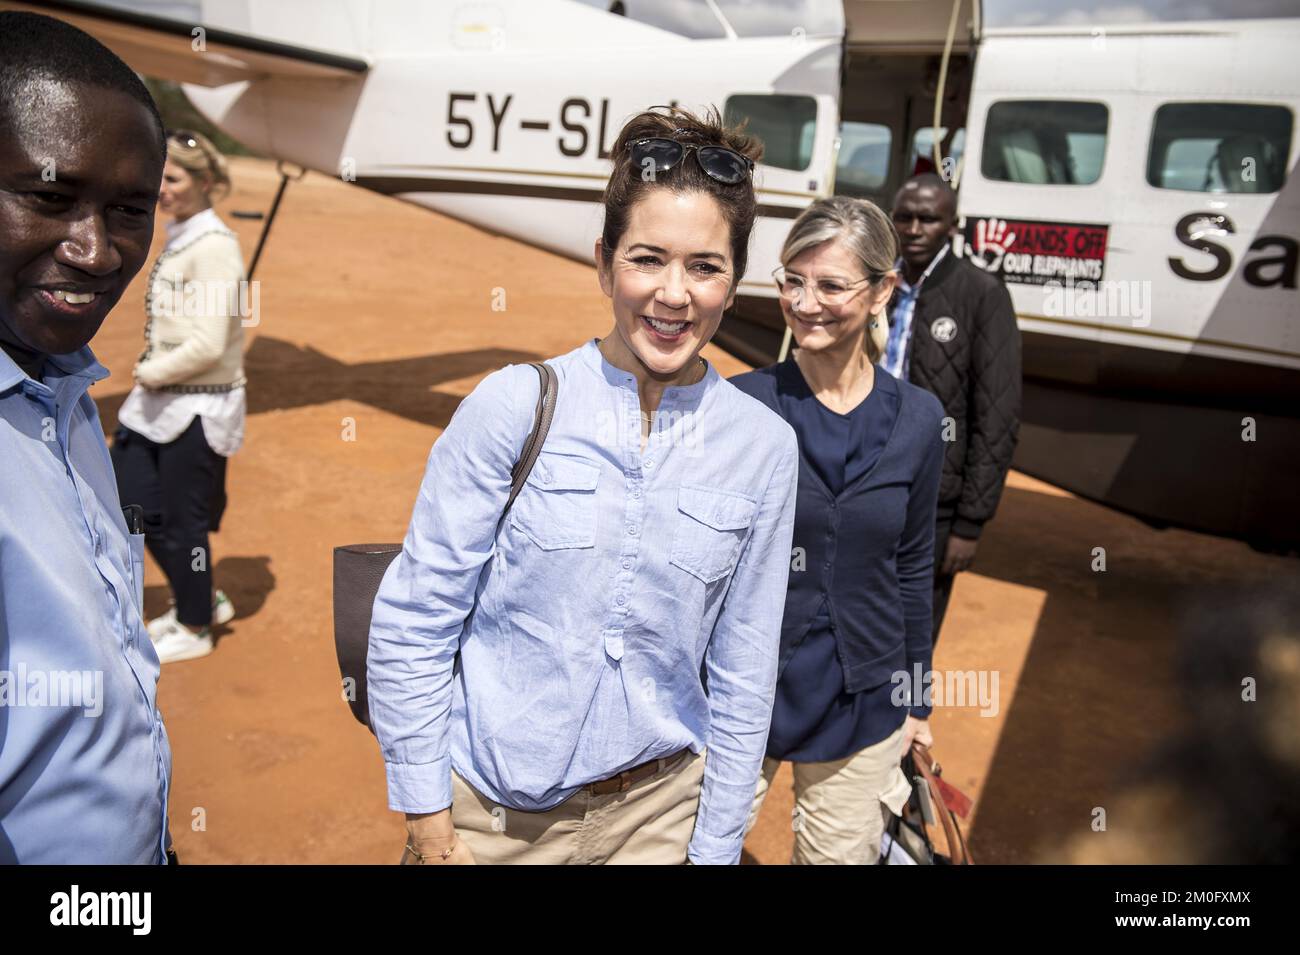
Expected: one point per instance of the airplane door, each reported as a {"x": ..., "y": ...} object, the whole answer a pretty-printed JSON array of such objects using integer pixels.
[{"x": 1039, "y": 165}]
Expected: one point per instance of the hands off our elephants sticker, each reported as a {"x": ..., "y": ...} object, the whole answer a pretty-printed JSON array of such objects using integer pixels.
[{"x": 1034, "y": 253}]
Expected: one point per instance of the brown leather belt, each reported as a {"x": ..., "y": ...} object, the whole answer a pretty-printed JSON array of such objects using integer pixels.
[{"x": 625, "y": 780}]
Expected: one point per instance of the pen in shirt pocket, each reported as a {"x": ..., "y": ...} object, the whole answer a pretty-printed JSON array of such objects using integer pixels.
[{"x": 133, "y": 514}]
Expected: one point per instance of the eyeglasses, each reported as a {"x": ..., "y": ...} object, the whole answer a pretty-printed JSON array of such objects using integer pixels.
[
  {"x": 718, "y": 162},
  {"x": 829, "y": 292}
]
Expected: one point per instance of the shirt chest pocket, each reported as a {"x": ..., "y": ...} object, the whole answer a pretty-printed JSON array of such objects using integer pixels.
[
  {"x": 711, "y": 525},
  {"x": 557, "y": 506}
]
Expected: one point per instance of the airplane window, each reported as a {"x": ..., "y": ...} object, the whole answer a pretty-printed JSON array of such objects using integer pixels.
[
  {"x": 863, "y": 164},
  {"x": 1219, "y": 147},
  {"x": 785, "y": 124},
  {"x": 1043, "y": 142},
  {"x": 784, "y": 17},
  {"x": 689, "y": 18}
]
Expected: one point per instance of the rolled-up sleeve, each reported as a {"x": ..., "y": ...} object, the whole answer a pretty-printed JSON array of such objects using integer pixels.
[
  {"x": 741, "y": 664},
  {"x": 428, "y": 591}
]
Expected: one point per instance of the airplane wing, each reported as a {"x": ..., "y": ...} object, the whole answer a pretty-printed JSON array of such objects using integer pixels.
[{"x": 193, "y": 52}]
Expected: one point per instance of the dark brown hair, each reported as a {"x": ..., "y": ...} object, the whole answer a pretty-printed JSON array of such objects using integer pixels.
[{"x": 627, "y": 186}]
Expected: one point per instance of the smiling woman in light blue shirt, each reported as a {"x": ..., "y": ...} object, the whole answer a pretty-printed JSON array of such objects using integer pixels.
[{"x": 592, "y": 680}]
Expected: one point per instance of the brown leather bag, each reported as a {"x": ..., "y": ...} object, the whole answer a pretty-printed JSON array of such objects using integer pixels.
[
  {"x": 911, "y": 830},
  {"x": 360, "y": 568}
]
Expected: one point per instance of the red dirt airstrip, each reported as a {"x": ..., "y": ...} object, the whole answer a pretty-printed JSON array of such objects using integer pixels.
[{"x": 381, "y": 312}]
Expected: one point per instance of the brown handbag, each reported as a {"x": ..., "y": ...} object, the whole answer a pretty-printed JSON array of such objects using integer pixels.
[
  {"x": 911, "y": 830},
  {"x": 359, "y": 568}
]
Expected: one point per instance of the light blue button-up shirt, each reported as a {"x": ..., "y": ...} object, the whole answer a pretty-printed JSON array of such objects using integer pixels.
[
  {"x": 84, "y": 758},
  {"x": 586, "y": 621}
]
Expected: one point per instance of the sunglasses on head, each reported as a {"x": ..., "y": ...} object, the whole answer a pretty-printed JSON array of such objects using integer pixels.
[{"x": 718, "y": 162}]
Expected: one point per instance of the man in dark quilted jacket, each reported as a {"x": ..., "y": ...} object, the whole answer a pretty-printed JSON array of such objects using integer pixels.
[{"x": 953, "y": 332}]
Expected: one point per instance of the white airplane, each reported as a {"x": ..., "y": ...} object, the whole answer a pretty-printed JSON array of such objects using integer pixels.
[{"x": 1132, "y": 182}]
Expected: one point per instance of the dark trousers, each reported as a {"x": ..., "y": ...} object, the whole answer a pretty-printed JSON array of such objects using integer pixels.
[
  {"x": 942, "y": 582},
  {"x": 181, "y": 486}
]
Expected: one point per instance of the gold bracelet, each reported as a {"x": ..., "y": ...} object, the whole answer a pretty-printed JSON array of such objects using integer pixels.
[{"x": 444, "y": 855}]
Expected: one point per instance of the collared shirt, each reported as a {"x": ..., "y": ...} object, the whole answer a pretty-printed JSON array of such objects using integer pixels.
[
  {"x": 163, "y": 416},
  {"x": 629, "y": 605},
  {"x": 900, "y": 328},
  {"x": 84, "y": 758}
]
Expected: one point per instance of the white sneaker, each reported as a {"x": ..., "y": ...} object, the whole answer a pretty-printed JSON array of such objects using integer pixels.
[
  {"x": 179, "y": 642},
  {"x": 223, "y": 611}
]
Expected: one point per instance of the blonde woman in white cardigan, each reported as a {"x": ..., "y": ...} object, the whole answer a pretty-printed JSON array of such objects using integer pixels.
[{"x": 185, "y": 415}]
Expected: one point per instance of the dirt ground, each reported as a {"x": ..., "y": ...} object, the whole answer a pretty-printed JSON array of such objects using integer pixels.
[{"x": 376, "y": 316}]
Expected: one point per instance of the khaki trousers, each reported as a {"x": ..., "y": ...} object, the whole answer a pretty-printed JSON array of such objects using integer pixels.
[
  {"x": 840, "y": 805},
  {"x": 650, "y": 824}
]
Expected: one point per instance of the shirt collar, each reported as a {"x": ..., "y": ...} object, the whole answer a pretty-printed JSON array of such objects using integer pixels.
[
  {"x": 593, "y": 359},
  {"x": 10, "y": 373},
  {"x": 902, "y": 280},
  {"x": 80, "y": 363},
  {"x": 200, "y": 222}
]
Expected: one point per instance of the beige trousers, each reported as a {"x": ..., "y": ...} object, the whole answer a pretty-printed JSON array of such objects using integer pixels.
[
  {"x": 650, "y": 824},
  {"x": 840, "y": 805}
]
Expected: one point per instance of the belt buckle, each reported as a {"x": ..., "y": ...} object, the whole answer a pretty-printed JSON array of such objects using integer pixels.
[{"x": 624, "y": 781}]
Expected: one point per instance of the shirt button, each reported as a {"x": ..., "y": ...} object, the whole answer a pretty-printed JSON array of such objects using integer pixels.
[
  {"x": 631, "y": 529},
  {"x": 649, "y": 464},
  {"x": 621, "y": 600},
  {"x": 627, "y": 565},
  {"x": 636, "y": 492}
]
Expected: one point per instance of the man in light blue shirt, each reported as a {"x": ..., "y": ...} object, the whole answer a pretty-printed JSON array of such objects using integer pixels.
[
  {"x": 84, "y": 758},
  {"x": 584, "y": 622}
]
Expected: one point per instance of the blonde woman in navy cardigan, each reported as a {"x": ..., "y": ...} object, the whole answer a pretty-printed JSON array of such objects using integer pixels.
[{"x": 857, "y": 616}]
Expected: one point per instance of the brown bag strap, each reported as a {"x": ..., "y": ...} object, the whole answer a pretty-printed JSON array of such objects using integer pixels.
[
  {"x": 359, "y": 568},
  {"x": 541, "y": 425},
  {"x": 957, "y": 850}
]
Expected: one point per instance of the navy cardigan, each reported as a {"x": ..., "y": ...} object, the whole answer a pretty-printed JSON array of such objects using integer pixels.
[{"x": 869, "y": 550}]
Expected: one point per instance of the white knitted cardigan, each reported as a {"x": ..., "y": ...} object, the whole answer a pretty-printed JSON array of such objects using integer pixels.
[{"x": 193, "y": 331}]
